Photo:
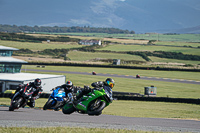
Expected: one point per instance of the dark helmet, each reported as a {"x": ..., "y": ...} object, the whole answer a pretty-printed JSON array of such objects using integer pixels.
[
  {"x": 69, "y": 84},
  {"x": 110, "y": 82},
  {"x": 37, "y": 82}
]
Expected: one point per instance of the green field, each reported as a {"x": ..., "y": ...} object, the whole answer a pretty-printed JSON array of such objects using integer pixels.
[
  {"x": 120, "y": 47},
  {"x": 181, "y": 44},
  {"x": 89, "y": 56},
  {"x": 164, "y": 89},
  {"x": 160, "y": 37},
  {"x": 39, "y": 46},
  {"x": 84, "y": 56},
  {"x": 168, "y": 61},
  {"x": 148, "y": 73},
  {"x": 140, "y": 109},
  {"x": 67, "y": 130}
]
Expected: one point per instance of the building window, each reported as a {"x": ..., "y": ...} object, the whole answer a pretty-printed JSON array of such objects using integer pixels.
[
  {"x": 5, "y": 53},
  {"x": 10, "y": 68}
]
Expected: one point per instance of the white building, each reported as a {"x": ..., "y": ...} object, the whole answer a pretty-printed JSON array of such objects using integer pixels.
[
  {"x": 10, "y": 76},
  {"x": 90, "y": 42},
  {"x": 9, "y": 81}
]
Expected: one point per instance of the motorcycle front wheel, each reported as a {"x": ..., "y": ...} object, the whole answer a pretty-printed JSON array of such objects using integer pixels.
[
  {"x": 96, "y": 107},
  {"x": 68, "y": 109},
  {"x": 48, "y": 104},
  {"x": 15, "y": 104}
]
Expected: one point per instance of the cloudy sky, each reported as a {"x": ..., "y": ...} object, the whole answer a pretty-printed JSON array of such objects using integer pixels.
[{"x": 137, "y": 15}]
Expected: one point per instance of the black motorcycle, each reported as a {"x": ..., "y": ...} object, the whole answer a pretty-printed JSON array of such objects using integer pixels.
[{"x": 21, "y": 98}]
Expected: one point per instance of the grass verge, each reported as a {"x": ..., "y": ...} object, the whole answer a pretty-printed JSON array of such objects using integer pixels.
[
  {"x": 66, "y": 130},
  {"x": 140, "y": 109},
  {"x": 164, "y": 89}
]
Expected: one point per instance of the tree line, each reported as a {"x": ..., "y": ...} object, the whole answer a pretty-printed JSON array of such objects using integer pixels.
[
  {"x": 59, "y": 53},
  {"x": 56, "y": 29},
  {"x": 39, "y": 39}
]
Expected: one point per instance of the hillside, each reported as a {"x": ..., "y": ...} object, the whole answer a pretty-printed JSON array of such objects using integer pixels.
[
  {"x": 158, "y": 55},
  {"x": 140, "y": 16}
]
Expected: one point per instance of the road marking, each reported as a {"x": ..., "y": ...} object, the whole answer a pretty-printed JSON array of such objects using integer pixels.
[
  {"x": 165, "y": 78},
  {"x": 173, "y": 79}
]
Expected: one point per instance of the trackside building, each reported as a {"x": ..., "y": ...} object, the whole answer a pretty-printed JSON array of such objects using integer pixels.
[
  {"x": 9, "y": 81},
  {"x": 11, "y": 76}
]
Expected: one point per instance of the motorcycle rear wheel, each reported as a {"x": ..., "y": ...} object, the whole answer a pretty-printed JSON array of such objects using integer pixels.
[{"x": 96, "y": 109}]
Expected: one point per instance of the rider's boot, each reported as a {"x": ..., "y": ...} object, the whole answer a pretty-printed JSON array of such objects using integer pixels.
[{"x": 31, "y": 104}]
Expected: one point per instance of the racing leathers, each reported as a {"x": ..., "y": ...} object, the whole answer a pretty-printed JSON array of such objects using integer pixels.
[
  {"x": 96, "y": 85},
  {"x": 33, "y": 90},
  {"x": 67, "y": 89}
]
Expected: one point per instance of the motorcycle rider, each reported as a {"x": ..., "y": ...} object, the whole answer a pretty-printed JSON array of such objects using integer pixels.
[
  {"x": 108, "y": 84},
  {"x": 68, "y": 87},
  {"x": 19, "y": 87},
  {"x": 36, "y": 88}
]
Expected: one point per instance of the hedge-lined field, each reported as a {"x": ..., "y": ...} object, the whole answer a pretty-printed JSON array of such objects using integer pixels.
[
  {"x": 84, "y": 56},
  {"x": 39, "y": 46},
  {"x": 72, "y": 51},
  {"x": 121, "y": 47}
]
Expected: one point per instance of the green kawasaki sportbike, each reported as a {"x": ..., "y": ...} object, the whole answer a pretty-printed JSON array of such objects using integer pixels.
[{"x": 92, "y": 104}]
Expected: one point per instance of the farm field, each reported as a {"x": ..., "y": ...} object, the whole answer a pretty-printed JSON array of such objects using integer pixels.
[
  {"x": 188, "y": 47},
  {"x": 39, "y": 46},
  {"x": 84, "y": 56},
  {"x": 120, "y": 47},
  {"x": 180, "y": 44},
  {"x": 147, "y": 36},
  {"x": 167, "y": 62}
]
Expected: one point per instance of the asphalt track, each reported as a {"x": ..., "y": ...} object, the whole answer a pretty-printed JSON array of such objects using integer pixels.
[
  {"x": 123, "y": 76},
  {"x": 27, "y": 117}
]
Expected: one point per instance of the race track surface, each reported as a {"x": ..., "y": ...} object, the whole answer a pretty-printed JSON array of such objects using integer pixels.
[
  {"x": 27, "y": 117},
  {"x": 122, "y": 76}
]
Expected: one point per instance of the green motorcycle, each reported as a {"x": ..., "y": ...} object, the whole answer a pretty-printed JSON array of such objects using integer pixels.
[{"x": 92, "y": 104}]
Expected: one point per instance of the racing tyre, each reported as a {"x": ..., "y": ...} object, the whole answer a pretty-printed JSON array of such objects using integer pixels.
[
  {"x": 11, "y": 108},
  {"x": 96, "y": 107},
  {"x": 68, "y": 109},
  {"x": 48, "y": 104},
  {"x": 15, "y": 104}
]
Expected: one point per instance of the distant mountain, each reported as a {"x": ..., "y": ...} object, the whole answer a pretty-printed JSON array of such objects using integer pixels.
[
  {"x": 138, "y": 15},
  {"x": 194, "y": 30}
]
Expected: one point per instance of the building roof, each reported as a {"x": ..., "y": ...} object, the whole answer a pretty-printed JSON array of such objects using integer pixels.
[
  {"x": 7, "y": 48},
  {"x": 11, "y": 60},
  {"x": 20, "y": 77}
]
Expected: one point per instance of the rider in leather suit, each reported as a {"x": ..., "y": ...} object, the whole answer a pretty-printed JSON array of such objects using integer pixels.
[
  {"x": 108, "y": 84},
  {"x": 36, "y": 88}
]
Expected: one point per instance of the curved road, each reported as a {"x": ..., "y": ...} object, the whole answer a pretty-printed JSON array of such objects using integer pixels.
[
  {"x": 39, "y": 118},
  {"x": 122, "y": 76}
]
